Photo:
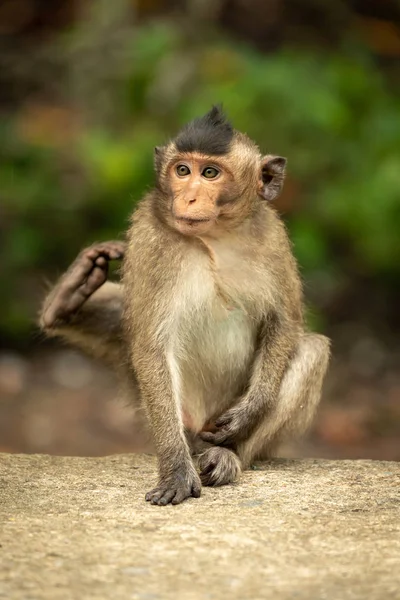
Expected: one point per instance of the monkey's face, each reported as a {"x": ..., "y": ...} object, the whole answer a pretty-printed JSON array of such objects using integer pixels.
[{"x": 201, "y": 188}]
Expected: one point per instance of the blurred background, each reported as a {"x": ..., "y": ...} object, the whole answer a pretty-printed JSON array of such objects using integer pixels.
[{"x": 88, "y": 88}]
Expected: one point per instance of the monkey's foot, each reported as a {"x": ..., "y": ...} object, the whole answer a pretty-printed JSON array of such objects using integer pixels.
[
  {"x": 219, "y": 466},
  {"x": 176, "y": 488},
  {"x": 86, "y": 274}
]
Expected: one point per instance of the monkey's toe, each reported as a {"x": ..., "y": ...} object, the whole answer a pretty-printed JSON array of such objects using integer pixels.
[
  {"x": 113, "y": 250},
  {"x": 89, "y": 272},
  {"x": 219, "y": 466},
  {"x": 161, "y": 497},
  {"x": 175, "y": 491}
]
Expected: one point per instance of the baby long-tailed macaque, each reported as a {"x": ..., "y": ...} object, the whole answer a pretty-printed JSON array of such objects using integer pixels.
[{"x": 207, "y": 325}]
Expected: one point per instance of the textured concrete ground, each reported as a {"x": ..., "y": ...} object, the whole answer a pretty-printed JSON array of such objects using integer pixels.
[{"x": 307, "y": 529}]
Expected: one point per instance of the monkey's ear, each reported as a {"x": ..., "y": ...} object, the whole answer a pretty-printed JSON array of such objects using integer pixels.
[
  {"x": 158, "y": 157},
  {"x": 271, "y": 177}
]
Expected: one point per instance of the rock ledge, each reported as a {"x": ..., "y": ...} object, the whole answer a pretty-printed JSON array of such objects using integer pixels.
[{"x": 298, "y": 529}]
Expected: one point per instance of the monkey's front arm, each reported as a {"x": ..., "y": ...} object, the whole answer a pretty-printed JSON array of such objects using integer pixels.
[{"x": 278, "y": 340}]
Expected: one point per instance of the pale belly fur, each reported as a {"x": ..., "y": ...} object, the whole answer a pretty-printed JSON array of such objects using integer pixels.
[{"x": 212, "y": 347}]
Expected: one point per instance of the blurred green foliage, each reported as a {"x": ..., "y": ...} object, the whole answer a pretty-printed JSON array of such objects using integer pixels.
[{"x": 332, "y": 115}]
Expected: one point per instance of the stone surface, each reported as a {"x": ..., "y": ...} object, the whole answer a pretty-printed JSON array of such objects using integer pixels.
[{"x": 79, "y": 528}]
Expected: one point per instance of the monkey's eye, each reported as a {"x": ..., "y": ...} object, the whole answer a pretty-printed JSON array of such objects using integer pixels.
[
  {"x": 210, "y": 172},
  {"x": 182, "y": 170}
]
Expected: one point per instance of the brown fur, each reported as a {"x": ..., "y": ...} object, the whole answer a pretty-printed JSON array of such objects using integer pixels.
[
  {"x": 212, "y": 322},
  {"x": 213, "y": 315}
]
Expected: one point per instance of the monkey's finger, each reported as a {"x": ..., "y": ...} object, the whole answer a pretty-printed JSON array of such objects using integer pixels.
[
  {"x": 103, "y": 252},
  {"x": 101, "y": 261},
  {"x": 111, "y": 250},
  {"x": 116, "y": 254},
  {"x": 207, "y": 436},
  {"x": 223, "y": 420},
  {"x": 156, "y": 497},
  {"x": 166, "y": 498},
  {"x": 78, "y": 271},
  {"x": 196, "y": 490},
  {"x": 91, "y": 253},
  {"x": 117, "y": 247},
  {"x": 94, "y": 280},
  {"x": 180, "y": 496},
  {"x": 111, "y": 254},
  {"x": 161, "y": 496},
  {"x": 184, "y": 493},
  {"x": 151, "y": 494},
  {"x": 218, "y": 438}
]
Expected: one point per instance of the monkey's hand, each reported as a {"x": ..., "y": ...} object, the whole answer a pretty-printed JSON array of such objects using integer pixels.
[
  {"x": 232, "y": 426},
  {"x": 176, "y": 487},
  {"x": 86, "y": 274}
]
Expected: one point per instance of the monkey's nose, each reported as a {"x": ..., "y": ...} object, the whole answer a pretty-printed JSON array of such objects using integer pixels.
[{"x": 192, "y": 201}]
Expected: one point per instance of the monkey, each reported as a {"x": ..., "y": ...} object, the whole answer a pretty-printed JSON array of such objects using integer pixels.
[
  {"x": 213, "y": 309},
  {"x": 207, "y": 324}
]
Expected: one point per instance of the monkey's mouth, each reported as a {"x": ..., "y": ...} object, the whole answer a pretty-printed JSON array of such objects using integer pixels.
[
  {"x": 189, "y": 225},
  {"x": 194, "y": 221}
]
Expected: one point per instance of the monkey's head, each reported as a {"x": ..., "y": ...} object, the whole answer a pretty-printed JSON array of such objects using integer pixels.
[{"x": 211, "y": 176}]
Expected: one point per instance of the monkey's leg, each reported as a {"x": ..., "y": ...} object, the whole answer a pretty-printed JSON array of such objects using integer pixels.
[
  {"x": 85, "y": 309},
  {"x": 298, "y": 399}
]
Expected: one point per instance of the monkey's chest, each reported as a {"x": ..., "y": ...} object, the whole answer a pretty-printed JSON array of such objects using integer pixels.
[{"x": 216, "y": 343}]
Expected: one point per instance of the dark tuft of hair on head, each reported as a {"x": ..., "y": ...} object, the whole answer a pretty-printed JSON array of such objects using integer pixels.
[{"x": 210, "y": 134}]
